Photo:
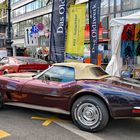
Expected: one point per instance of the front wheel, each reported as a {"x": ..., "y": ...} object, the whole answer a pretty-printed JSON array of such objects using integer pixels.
[{"x": 89, "y": 113}]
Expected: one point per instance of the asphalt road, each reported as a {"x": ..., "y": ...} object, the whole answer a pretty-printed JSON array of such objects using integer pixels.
[{"x": 26, "y": 124}]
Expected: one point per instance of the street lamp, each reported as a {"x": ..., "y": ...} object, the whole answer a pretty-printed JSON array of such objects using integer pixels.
[{"x": 8, "y": 40}]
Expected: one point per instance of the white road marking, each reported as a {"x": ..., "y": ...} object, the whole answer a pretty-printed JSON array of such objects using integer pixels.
[{"x": 69, "y": 126}]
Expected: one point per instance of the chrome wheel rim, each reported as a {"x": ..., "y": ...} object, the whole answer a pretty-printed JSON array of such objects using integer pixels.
[{"x": 89, "y": 114}]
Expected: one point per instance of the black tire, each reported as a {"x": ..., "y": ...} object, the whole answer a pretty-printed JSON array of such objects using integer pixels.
[
  {"x": 1, "y": 101},
  {"x": 5, "y": 72},
  {"x": 90, "y": 113}
]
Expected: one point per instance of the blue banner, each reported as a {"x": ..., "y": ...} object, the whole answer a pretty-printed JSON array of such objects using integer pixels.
[
  {"x": 58, "y": 29},
  {"x": 94, "y": 19}
]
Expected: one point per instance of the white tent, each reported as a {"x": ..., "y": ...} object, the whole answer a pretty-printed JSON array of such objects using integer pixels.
[{"x": 116, "y": 26}]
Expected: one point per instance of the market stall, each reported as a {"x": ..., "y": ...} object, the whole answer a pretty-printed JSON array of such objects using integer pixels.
[{"x": 117, "y": 26}]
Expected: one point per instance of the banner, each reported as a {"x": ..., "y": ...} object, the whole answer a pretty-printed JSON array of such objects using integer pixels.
[
  {"x": 94, "y": 20},
  {"x": 137, "y": 48},
  {"x": 127, "y": 49},
  {"x": 76, "y": 28},
  {"x": 128, "y": 32},
  {"x": 137, "y": 32},
  {"x": 58, "y": 28}
]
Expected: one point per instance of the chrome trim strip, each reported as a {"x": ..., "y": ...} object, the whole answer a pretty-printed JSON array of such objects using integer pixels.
[
  {"x": 136, "y": 107},
  {"x": 43, "y": 108}
]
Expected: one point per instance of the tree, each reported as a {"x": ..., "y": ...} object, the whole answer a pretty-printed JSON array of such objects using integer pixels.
[{"x": 3, "y": 5}]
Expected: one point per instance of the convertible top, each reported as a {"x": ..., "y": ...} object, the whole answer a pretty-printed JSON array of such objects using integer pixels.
[{"x": 84, "y": 70}]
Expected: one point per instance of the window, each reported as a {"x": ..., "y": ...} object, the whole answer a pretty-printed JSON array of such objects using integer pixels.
[
  {"x": 104, "y": 7},
  {"x": 4, "y": 60},
  {"x": 118, "y": 5},
  {"x": 2, "y": 43},
  {"x": 46, "y": 2},
  {"x": 22, "y": 26},
  {"x": 14, "y": 1},
  {"x": 16, "y": 30},
  {"x": 59, "y": 74},
  {"x": 29, "y": 22},
  {"x": 112, "y": 6},
  {"x": 35, "y": 60},
  {"x": 37, "y": 20},
  {"x": 21, "y": 11},
  {"x": 127, "y": 5},
  {"x": 47, "y": 20},
  {"x": 136, "y": 4},
  {"x": 97, "y": 71},
  {"x": 37, "y": 4},
  {"x": 30, "y": 7}
]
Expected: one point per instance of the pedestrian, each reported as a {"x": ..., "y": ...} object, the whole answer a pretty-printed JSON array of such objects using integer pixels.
[
  {"x": 138, "y": 50},
  {"x": 128, "y": 51}
]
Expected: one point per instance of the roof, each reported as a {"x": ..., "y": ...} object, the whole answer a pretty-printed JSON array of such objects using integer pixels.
[
  {"x": 82, "y": 70},
  {"x": 130, "y": 19}
]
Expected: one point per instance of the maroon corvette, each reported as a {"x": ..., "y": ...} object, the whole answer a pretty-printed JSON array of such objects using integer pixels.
[
  {"x": 84, "y": 91},
  {"x": 21, "y": 64}
]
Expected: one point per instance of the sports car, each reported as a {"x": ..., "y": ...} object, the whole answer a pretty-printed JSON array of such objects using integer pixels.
[
  {"x": 85, "y": 91},
  {"x": 21, "y": 64}
]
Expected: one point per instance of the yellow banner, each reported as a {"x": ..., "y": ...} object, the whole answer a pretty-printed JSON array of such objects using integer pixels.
[
  {"x": 76, "y": 28},
  {"x": 137, "y": 32}
]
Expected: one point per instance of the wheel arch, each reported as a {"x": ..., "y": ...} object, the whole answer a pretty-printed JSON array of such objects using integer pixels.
[{"x": 81, "y": 94}]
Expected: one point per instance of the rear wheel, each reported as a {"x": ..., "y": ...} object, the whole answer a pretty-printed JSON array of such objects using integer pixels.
[
  {"x": 1, "y": 101},
  {"x": 5, "y": 72},
  {"x": 89, "y": 113}
]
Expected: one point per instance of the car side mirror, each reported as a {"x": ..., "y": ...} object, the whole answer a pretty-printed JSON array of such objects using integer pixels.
[{"x": 46, "y": 77}]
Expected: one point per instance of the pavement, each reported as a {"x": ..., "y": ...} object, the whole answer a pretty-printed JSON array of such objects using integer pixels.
[{"x": 27, "y": 124}]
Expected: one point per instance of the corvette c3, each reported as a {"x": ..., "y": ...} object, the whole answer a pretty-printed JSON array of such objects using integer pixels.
[{"x": 85, "y": 91}]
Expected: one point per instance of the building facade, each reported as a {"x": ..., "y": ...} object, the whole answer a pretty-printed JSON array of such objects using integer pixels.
[
  {"x": 27, "y": 13},
  {"x": 119, "y": 8},
  {"x": 3, "y": 28}
]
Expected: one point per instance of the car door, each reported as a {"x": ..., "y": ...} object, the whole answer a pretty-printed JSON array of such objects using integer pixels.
[{"x": 51, "y": 88}]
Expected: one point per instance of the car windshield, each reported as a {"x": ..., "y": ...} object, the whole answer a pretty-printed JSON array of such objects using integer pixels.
[
  {"x": 58, "y": 73},
  {"x": 97, "y": 71},
  {"x": 30, "y": 60}
]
